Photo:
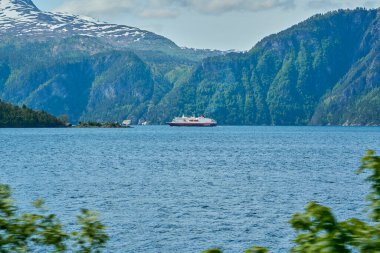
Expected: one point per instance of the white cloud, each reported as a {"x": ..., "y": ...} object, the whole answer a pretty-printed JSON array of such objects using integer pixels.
[
  {"x": 220, "y": 6},
  {"x": 158, "y": 13},
  {"x": 173, "y": 8},
  {"x": 168, "y": 8},
  {"x": 96, "y": 7},
  {"x": 335, "y": 4}
]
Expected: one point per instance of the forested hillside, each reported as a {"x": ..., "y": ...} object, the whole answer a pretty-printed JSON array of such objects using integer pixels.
[
  {"x": 14, "y": 116},
  {"x": 323, "y": 71}
]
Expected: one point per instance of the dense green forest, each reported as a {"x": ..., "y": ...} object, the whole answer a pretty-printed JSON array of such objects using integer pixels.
[
  {"x": 15, "y": 116},
  {"x": 323, "y": 71}
]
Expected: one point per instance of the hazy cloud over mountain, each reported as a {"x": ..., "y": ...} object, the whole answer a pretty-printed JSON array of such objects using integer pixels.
[
  {"x": 222, "y": 24},
  {"x": 173, "y": 8},
  {"x": 323, "y": 4},
  {"x": 170, "y": 8}
]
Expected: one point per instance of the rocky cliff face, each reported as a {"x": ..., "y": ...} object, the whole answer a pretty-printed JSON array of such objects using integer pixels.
[{"x": 355, "y": 99}]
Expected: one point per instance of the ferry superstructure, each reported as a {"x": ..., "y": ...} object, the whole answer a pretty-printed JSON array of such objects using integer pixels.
[{"x": 192, "y": 121}]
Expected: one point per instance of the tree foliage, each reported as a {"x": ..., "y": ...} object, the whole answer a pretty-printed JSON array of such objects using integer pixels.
[
  {"x": 43, "y": 232},
  {"x": 15, "y": 116}
]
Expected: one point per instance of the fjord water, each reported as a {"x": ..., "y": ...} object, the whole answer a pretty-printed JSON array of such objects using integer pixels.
[{"x": 171, "y": 190}]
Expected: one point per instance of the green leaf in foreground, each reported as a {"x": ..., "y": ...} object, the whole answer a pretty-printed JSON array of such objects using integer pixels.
[{"x": 42, "y": 232}]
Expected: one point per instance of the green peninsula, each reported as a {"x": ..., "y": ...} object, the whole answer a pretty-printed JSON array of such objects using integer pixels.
[{"x": 12, "y": 116}]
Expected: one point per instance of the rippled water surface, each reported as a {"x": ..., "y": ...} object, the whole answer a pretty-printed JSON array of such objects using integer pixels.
[{"x": 183, "y": 190}]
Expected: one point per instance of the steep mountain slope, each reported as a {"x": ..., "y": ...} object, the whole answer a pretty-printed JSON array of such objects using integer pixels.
[
  {"x": 355, "y": 100},
  {"x": 108, "y": 86},
  {"x": 87, "y": 69},
  {"x": 324, "y": 70},
  {"x": 23, "y": 18},
  {"x": 286, "y": 78}
]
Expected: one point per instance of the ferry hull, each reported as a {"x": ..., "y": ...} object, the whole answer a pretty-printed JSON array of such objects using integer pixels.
[{"x": 178, "y": 124}]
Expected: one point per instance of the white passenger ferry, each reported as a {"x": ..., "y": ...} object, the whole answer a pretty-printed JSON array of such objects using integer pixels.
[{"x": 193, "y": 121}]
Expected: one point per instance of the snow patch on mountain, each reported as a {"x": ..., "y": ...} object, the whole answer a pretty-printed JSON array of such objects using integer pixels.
[{"x": 23, "y": 18}]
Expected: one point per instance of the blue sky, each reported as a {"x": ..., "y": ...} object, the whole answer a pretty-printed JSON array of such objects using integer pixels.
[{"x": 214, "y": 24}]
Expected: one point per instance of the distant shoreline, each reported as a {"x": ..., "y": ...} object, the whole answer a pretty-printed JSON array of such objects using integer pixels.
[{"x": 157, "y": 125}]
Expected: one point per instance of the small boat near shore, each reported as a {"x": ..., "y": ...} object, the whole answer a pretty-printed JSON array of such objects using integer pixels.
[
  {"x": 126, "y": 123},
  {"x": 200, "y": 121}
]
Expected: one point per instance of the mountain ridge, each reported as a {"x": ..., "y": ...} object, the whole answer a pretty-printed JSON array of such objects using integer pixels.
[
  {"x": 285, "y": 78},
  {"x": 22, "y": 17},
  {"x": 322, "y": 71}
]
